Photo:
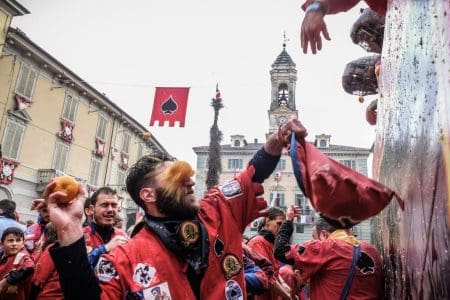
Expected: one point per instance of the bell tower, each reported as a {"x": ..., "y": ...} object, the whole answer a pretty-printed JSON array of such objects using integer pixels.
[{"x": 283, "y": 76}]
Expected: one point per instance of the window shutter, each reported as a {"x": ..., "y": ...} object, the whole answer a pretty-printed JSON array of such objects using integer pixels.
[
  {"x": 65, "y": 151},
  {"x": 101, "y": 127},
  {"x": 57, "y": 156},
  {"x": 23, "y": 79},
  {"x": 16, "y": 142},
  {"x": 30, "y": 84},
  {"x": 95, "y": 169}
]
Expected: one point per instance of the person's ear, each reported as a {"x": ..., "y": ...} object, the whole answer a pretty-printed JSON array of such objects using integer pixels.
[
  {"x": 324, "y": 235},
  {"x": 147, "y": 194}
]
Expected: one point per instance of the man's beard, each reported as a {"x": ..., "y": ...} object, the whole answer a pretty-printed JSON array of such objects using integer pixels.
[{"x": 177, "y": 208}]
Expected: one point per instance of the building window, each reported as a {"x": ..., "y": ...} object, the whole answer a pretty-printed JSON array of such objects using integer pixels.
[
  {"x": 349, "y": 163},
  {"x": 101, "y": 127},
  {"x": 94, "y": 171},
  {"x": 70, "y": 108},
  {"x": 61, "y": 155},
  {"x": 126, "y": 142},
  {"x": 299, "y": 228},
  {"x": 322, "y": 144},
  {"x": 283, "y": 94},
  {"x": 300, "y": 200},
  {"x": 26, "y": 81},
  {"x": 237, "y": 143},
  {"x": 201, "y": 162},
  {"x": 140, "y": 151},
  {"x": 12, "y": 139},
  {"x": 121, "y": 177},
  {"x": 279, "y": 199},
  {"x": 235, "y": 164}
]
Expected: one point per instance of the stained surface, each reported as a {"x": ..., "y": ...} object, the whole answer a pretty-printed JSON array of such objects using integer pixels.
[{"x": 411, "y": 149}]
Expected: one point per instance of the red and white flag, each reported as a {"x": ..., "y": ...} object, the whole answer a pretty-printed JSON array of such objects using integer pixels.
[{"x": 170, "y": 105}]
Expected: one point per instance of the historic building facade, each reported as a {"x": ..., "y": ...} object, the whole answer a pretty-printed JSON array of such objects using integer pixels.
[
  {"x": 53, "y": 122},
  {"x": 281, "y": 188}
]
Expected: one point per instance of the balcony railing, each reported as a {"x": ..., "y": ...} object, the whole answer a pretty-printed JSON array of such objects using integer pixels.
[{"x": 44, "y": 177}]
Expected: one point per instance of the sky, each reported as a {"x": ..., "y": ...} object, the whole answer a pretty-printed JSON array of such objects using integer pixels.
[{"x": 127, "y": 48}]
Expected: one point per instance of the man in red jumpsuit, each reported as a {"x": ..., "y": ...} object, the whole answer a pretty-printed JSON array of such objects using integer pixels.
[
  {"x": 184, "y": 248},
  {"x": 326, "y": 262},
  {"x": 313, "y": 24},
  {"x": 100, "y": 234}
]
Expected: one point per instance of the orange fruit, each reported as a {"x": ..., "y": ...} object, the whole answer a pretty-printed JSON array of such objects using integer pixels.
[{"x": 67, "y": 185}]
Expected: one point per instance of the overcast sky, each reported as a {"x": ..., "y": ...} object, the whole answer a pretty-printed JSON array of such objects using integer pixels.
[{"x": 127, "y": 48}]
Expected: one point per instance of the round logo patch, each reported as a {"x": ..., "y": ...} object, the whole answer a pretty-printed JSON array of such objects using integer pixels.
[
  {"x": 143, "y": 274},
  {"x": 231, "y": 265},
  {"x": 105, "y": 270},
  {"x": 190, "y": 233},
  {"x": 233, "y": 291}
]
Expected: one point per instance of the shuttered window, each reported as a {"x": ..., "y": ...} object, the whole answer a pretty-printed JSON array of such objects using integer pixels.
[
  {"x": 26, "y": 81},
  {"x": 140, "y": 151},
  {"x": 94, "y": 171},
  {"x": 61, "y": 156},
  {"x": 12, "y": 139},
  {"x": 70, "y": 108},
  {"x": 101, "y": 127},
  {"x": 126, "y": 142},
  {"x": 121, "y": 176},
  {"x": 235, "y": 164}
]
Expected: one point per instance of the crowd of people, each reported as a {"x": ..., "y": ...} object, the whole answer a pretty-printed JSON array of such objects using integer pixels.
[{"x": 183, "y": 248}]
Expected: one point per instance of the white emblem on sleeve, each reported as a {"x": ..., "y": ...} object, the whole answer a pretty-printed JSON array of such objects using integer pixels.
[
  {"x": 143, "y": 274},
  {"x": 233, "y": 291},
  {"x": 231, "y": 189},
  {"x": 105, "y": 270},
  {"x": 158, "y": 292}
]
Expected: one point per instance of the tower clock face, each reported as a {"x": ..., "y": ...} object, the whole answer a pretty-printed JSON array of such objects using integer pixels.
[{"x": 282, "y": 120}]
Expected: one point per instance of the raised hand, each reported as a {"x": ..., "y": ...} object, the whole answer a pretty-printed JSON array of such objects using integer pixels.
[
  {"x": 293, "y": 212},
  {"x": 313, "y": 26},
  {"x": 292, "y": 126},
  {"x": 66, "y": 217}
]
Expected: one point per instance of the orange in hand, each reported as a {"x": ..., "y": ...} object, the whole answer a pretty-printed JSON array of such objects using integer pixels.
[{"x": 67, "y": 185}]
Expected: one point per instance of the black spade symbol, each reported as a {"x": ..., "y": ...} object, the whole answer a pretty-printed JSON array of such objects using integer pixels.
[
  {"x": 169, "y": 106},
  {"x": 366, "y": 264},
  {"x": 218, "y": 246}
]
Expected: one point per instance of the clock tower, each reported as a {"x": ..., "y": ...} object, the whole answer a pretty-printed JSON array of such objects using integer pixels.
[{"x": 283, "y": 76}]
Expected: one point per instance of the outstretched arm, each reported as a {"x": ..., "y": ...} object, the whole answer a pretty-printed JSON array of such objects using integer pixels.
[
  {"x": 76, "y": 276},
  {"x": 313, "y": 26},
  {"x": 282, "y": 245}
]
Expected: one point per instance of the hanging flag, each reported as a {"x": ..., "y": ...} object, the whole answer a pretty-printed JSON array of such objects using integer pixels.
[{"x": 170, "y": 105}]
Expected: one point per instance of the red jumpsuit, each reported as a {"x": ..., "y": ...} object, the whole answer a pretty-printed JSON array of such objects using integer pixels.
[
  {"x": 34, "y": 239},
  {"x": 14, "y": 263},
  {"x": 336, "y": 6},
  {"x": 265, "y": 248},
  {"x": 46, "y": 277},
  {"x": 94, "y": 240},
  {"x": 326, "y": 264},
  {"x": 145, "y": 267}
]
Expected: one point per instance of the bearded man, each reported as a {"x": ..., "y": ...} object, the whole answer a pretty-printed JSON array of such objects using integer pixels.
[{"x": 187, "y": 248}]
